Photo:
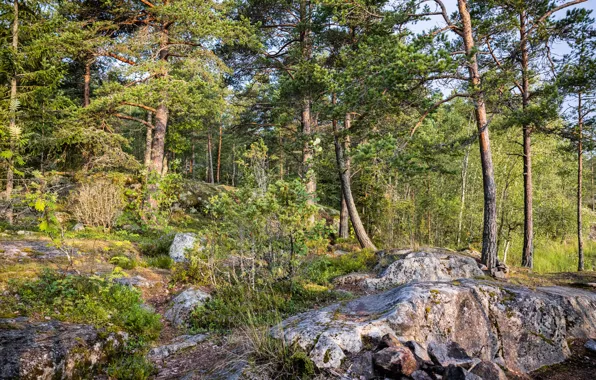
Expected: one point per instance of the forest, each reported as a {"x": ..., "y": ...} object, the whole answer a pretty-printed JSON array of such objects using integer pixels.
[{"x": 190, "y": 188}]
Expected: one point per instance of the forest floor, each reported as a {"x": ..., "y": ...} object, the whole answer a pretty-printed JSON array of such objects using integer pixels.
[{"x": 221, "y": 355}]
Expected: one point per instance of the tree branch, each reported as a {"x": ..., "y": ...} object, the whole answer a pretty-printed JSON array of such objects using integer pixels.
[
  {"x": 434, "y": 107},
  {"x": 126, "y": 117},
  {"x": 549, "y": 13},
  {"x": 150, "y": 109}
]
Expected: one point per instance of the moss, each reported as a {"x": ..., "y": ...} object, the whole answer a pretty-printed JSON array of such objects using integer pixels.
[
  {"x": 327, "y": 356},
  {"x": 544, "y": 338}
]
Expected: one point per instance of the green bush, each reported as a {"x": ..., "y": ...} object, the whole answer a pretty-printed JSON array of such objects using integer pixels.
[
  {"x": 133, "y": 367},
  {"x": 232, "y": 305},
  {"x": 89, "y": 300},
  {"x": 123, "y": 262},
  {"x": 322, "y": 269},
  {"x": 158, "y": 246},
  {"x": 161, "y": 261}
]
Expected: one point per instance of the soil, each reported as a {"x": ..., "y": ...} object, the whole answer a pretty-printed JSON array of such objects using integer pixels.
[{"x": 581, "y": 365}]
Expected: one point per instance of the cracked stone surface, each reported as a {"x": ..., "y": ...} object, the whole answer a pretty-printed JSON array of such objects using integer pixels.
[
  {"x": 428, "y": 264},
  {"x": 522, "y": 328}
]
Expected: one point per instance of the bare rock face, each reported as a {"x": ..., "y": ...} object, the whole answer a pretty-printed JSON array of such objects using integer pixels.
[
  {"x": 178, "y": 344},
  {"x": 182, "y": 242},
  {"x": 521, "y": 329},
  {"x": 429, "y": 264},
  {"x": 183, "y": 304},
  {"x": 52, "y": 350}
]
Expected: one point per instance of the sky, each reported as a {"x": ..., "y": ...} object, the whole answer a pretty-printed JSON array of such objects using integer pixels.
[{"x": 558, "y": 50}]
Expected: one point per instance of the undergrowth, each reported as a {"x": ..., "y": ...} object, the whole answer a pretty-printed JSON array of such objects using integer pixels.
[{"x": 90, "y": 300}]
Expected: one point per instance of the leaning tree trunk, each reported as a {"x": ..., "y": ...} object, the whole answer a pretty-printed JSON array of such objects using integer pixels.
[
  {"x": 12, "y": 129},
  {"x": 344, "y": 176},
  {"x": 580, "y": 242},
  {"x": 489, "y": 234},
  {"x": 219, "y": 153},
  {"x": 528, "y": 249}
]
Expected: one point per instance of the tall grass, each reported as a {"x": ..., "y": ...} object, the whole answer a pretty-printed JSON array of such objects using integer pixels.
[{"x": 553, "y": 256}]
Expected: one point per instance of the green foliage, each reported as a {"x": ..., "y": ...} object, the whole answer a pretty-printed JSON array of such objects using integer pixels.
[
  {"x": 322, "y": 269},
  {"x": 80, "y": 299},
  {"x": 233, "y": 305},
  {"x": 161, "y": 261},
  {"x": 123, "y": 262},
  {"x": 130, "y": 367}
]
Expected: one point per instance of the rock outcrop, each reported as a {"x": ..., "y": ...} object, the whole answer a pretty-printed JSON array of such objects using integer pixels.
[
  {"x": 183, "y": 304},
  {"x": 428, "y": 264},
  {"x": 515, "y": 327},
  {"x": 52, "y": 350},
  {"x": 182, "y": 242}
]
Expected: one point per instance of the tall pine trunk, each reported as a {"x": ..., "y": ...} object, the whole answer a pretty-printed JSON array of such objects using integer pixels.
[
  {"x": 219, "y": 153},
  {"x": 580, "y": 242},
  {"x": 528, "y": 249},
  {"x": 344, "y": 175},
  {"x": 306, "y": 117},
  {"x": 148, "y": 140},
  {"x": 489, "y": 234},
  {"x": 12, "y": 129},
  {"x": 210, "y": 158},
  {"x": 159, "y": 139}
]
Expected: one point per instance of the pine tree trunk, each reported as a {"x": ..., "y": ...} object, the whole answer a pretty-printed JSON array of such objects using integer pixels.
[
  {"x": 464, "y": 182},
  {"x": 148, "y": 141},
  {"x": 219, "y": 153},
  {"x": 306, "y": 117},
  {"x": 210, "y": 162},
  {"x": 159, "y": 139},
  {"x": 489, "y": 234},
  {"x": 528, "y": 249},
  {"x": 344, "y": 218},
  {"x": 344, "y": 175},
  {"x": 12, "y": 129},
  {"x": 87, "y": 84},
  {"x": 580, "y": 242}
]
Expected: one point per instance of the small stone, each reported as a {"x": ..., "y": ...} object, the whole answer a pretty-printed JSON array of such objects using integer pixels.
[
  {"x": 448, "y": 354},
  {"x": 458, "y": 373},
  {"x": 184, "y": 304},
  {"x": 396, "y": 360},
  {"x": 419, "y": 351},
  {"x": 591, "y": 345},
  {"x": 488, "y": 371},
  {"x": 389, "y": 340},
  {"x": 362, "y": 366},
  {"x": 21, "y": 232},
  {"x": 420, "y": 375},
  {"x": 78, "y": 227},
  {"x": 182, "y": 242}
]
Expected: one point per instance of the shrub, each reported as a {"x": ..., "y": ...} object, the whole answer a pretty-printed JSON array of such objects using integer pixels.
[
  {"x": 161, "y": 261},
  {"x": 90, "y": 300},
  {"x": 123, "y": 262},
  {"x": 232, "y": 305},
  {"x": 98, "y": 203},
  {"x": 276, "y": 358}
]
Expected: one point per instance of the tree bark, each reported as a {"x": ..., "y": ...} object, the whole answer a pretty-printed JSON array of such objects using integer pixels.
[
  {"x": 489, "y": 234},
  {"x": 12, "y": 129},
  {"x": 159, "y": 139},
  {"x": 219, "y": 153},
  {"x": 464, "y": 183},
  {"x": 528, "y": 249},
  {"x": 580, "y": 242},
  {"x": 87, "y": 84},
  {"x": 344, "y": 176},
  {"x": 162, "y": 112},
  {"x": 148, "y": 141},
  {"x": 306, "y": 117},
  {"x": 210, "y": 163}
]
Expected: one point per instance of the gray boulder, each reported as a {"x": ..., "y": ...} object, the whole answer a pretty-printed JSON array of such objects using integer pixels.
[
  {"x": 591, "y": 345},
  {"x": 180, "y": 343},
  {"x": 488, "y": 371},
  {"x": 396, "y": 361},
  {"x": 52, "y": 350},
  {"x": 429, "y": 264},
  {"x": 183, "y": 304},
  {"x": 182, "y": 242},
  {"x": 525, "y": 329}
]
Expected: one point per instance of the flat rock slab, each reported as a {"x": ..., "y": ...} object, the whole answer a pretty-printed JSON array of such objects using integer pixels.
[
  {"x": 29, "y": 249},
  {"x": 522, "y": 328},
  {"x": 51, "y": 350},
  {"x": 178, "y": 344}
]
